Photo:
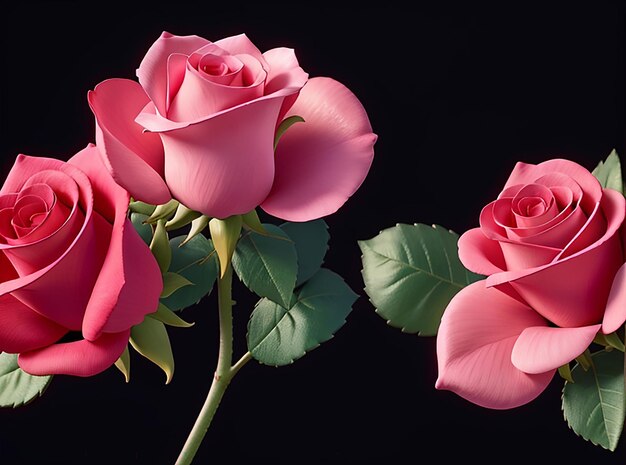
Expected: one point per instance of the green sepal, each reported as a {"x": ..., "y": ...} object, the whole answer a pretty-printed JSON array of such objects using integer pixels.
[
  {"x": 168, "y": 317},
  {"x": 141, "y": 207},
  {"x": 163, "y": 212},
  {"x": 284, "y": 125},
  {"x": 609, "y": 173},
  {"x": 225, "y": 234},
  {"x": 150, "y": 339},
  {"x": 267, "y": 264},
  {"x": 252, "y": 222},
  {"x": 17, "y": 387},
  {"x": 566, "y": 373},
  {"x": 144, "y": 230},
  {"x": 584, "y": 360},
  {"x": 611, "y": 341},
  {"x": 197, "y": 226},
  {"x": 123, "y": 364},
  {"x": 173, "y": 282},
  {"x": 160, "y": 246},
  {"x": 182, "y": 217}
]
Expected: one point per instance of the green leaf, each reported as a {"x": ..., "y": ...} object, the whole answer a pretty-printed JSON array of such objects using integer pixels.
[
  {"x": 225, "y": 235},
  {"x": 311, "y": 240},
  {"x": 593, "y": 406},
  {"x": 411, "y": 273},
  {"x": 173, "y": 282},
  {"x": 144, "y": 230},
  {"x": 150, "y": 339},
  {"x": 267, "y": 265},
  {"x": 168, "y": 317},
  {"x": 609, "y": 173},
  {"x": 277, "y": 336},
  {"x": 123, "y": 364},
  {"x": 16, "y": 386},
  {"x": 160, "y": 247},
  {"x": 284, "y": 125},
  {"x": 196, "y": 261}
]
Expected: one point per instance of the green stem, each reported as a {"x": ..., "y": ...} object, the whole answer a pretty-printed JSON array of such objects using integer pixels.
[{"x": 224, "y": 372}]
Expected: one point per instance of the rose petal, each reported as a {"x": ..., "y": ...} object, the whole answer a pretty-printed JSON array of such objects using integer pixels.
[
  {"x": 480, "y": 254},
  {"x": 241, "y": 45},
  {"x": 540, "y": 349},
  {"x": 134, "y": 157},
  {"x": 527, "y": 174},
  {"x": 284, "y": 72},
  {"x": 615, "y": 313},
  {"x": 80, "y": 358},
  {"x": 320, "y": 163},
  {"x": 129, "y": 282},
  {"x": 559, "y": 291},
  {"x": 22, "y": 329},
  {"x": 24, "y": 168},
  {"x": 152, "y": 72},
  {"x": 476, "y": 337}
]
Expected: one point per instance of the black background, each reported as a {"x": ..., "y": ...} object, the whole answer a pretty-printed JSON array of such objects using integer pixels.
[{"x": 456, "y": 95}]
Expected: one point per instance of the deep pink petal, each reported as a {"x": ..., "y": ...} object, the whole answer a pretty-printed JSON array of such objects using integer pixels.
[
  {"x": 615, "y": 313},
  {"x": 224, "y": 164},
  {"x": 24, "y": 168},
  {"x": 573, "y": 291},
  {"x": 527, "y": 174},
  {"x": 476, "y": 337},
  {"x": 134, "y": 157},
  {"x": 480, "y": 254},
  {"x": 320, "y": 163},
  {"x": 80, "y": 358},
  {"x": 540, "y": 349},
  {"x": 152, "y": 72},
  {"x": 22, "y": 329}
]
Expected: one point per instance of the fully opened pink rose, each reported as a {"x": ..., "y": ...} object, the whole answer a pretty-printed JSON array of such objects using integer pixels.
[
  {"x": 553, "y": 247},
  {"x": 70, "y": 262},
  {"x": 200, "y": 127}
]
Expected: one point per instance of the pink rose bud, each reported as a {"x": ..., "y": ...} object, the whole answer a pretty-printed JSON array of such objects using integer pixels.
[{"x": 70, "y": 261}]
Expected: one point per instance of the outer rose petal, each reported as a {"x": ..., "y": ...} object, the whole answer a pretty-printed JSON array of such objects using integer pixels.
[
  {"x": 152, "y": 72},
  {"x": 476, "y": 337},
  {"x": 541, "y": 349},
  {"x": 221, "y": 165},
  {"x": 285, "y": 72},
  {"x": 615, "y": 313},
  {"x": 524, "y": 173},
  {"x": 80, "y": 358},
  {"x": 22, "y": 329},
  {"x": 129, "y": 283},
  {"x": 573, "y": 291},
  {"x": 480, "y": 254},
  {"x": 134, "y": 158},
  {"x": 320, "y": 163}
]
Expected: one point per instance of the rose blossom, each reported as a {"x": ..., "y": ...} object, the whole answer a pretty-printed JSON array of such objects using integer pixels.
[
  {"x": 552, "y": 245},
  {"x": 200, "y": 127},
  {"x": 71, "y": 262}
]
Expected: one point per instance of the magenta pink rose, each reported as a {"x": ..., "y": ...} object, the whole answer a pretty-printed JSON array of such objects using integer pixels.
[
  {"x": 200, "y": 127},
  {"x": 553, "y": 247},
  {"x": 70, "y": 262}
]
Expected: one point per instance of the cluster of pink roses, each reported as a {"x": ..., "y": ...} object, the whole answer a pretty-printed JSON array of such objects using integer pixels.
[
  {"x": 200, "y": 127},
  {"x": 553, "y": 247}
]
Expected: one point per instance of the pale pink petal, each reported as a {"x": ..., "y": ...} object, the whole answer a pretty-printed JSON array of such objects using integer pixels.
[
  {"x": 284, "y": 72},
  {"x": 560, "y": 291},
  {"x": 540, "y": 348},
  {"x": 152, "y": 72},
  {"x": 134, "y": 157},
  {"x": 476, "y": 337},
  {"x": 22, "y": 329},
  {"x": 480, "y": 254},
  {"x": 222, "y": 165},
  {"x": 527, "y": 174},
  {"x": 320, "y": 163},
  {"x": 615, "y": 313},
  {"x": 241, "y": 45},
  {"x": 80, "y": 358}
]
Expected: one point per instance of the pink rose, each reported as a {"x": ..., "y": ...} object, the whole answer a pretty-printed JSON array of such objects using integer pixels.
[
  {"x": 200, "y": 127},
  {"x": 553, "y": 247},
  {"x": 70, "y": 262}
]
